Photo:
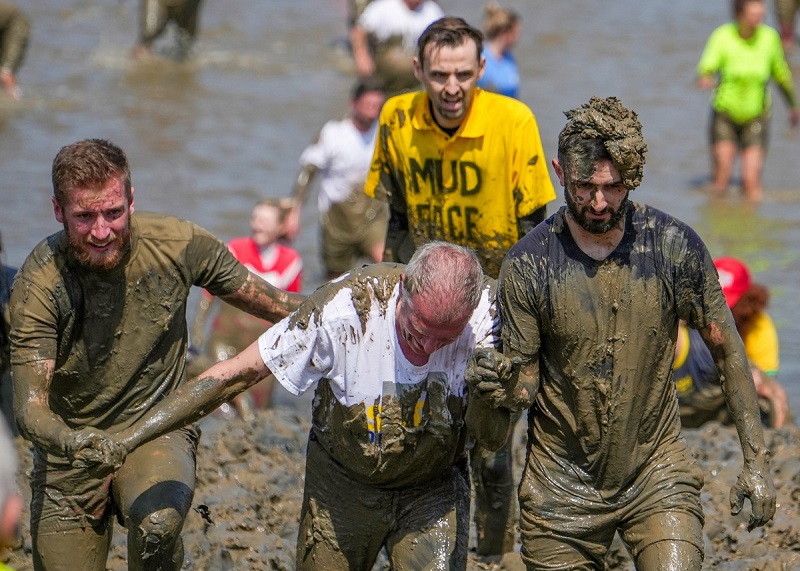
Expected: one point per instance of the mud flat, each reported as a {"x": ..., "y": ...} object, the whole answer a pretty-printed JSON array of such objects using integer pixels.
[{"x": 250, "y": 485}]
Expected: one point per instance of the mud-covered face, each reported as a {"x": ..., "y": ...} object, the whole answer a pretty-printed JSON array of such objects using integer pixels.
[
  {"x": 97, "y": 223},
  {"x": 450, "y": 75},
  {"x": 418, "y": 330},
  {"x": 596, "y": 204}
]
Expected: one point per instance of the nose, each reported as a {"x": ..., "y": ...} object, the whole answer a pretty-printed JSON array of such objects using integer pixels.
[
  {"x": 100, "y": 229},
  {"x": 430, "y": 344},
  {"x": 599, "y": 200}
]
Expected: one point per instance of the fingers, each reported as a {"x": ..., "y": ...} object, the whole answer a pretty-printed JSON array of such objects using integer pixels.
[{"x": 736, "y": 499}]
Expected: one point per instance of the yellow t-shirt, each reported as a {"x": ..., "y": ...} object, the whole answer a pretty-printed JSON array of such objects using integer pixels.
[
  {"x": 761, "y": 345},
  {"x": 469, "y": 188}
]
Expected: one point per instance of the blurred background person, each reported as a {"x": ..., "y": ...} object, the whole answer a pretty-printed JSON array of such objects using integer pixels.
[
  {"x": 738, "y": 62},
  {"x": 786, "y": 13},
  {"x": 220, "y": 330},
  {"x": 353, "y": 224},
  {"x": 14, "y": 31},
  {"x": 696, "y": 378},
  {"x": 501, "y": 29},
  {"x": 384, "y": 40},
  {"x": 6, "y": 394},
  {"x": 154, "y": 17},
  {"x": 10, "y": 499}
]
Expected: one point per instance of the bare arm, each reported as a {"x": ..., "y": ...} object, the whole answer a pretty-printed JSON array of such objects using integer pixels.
[
  {"x": 304, "y": 179},
  {"x": 361, "y": 56},
  {"x": 198, "y": 397},
  {"x": 263, "y": 300},
  {"x": 755, "y": 481}
]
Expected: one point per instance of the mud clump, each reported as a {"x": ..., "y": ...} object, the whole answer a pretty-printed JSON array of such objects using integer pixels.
[{"x": 246, "y": 506}]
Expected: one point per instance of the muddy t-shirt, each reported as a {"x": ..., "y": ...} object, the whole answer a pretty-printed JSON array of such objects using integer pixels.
[
  {"x": 118, "y": 337},
  {"x": 388, "y": 422},
  {"x": 603, "y": 333}
]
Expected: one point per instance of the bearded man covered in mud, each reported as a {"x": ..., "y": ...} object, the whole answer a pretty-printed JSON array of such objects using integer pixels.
[
  {"x": 98, "y": 337},
  {"x": 387, "y": 347},
  {"x": 590, "y": 302}
]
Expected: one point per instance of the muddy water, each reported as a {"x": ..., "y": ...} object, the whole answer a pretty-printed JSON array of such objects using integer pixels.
[{"x": 208, "y": 138}]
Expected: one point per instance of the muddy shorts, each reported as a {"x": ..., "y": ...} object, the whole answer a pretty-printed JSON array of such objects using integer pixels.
[
  {"x": 566, "y": 524},
  {"x": 351, "y": 229},
  {"x": 345, "y": 523},
  {"x": 64, "y": 498},
  {"x": 751, "y": 133},
  {"x": 786, "y": 10}
]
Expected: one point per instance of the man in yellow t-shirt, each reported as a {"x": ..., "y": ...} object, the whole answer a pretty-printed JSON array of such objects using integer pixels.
[
  {"x": 454, "y": 162},
  {"x": 463, "y": 165}
]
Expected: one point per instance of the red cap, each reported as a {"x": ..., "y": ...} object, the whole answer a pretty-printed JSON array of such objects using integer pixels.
[{"x": 734, "y": 277}]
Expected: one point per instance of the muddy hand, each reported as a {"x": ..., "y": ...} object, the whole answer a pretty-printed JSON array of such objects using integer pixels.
[
  {"x": 94, "y": 450},
  {"x": 754, "y": 483},
  {"x": 486, "y": 369}
]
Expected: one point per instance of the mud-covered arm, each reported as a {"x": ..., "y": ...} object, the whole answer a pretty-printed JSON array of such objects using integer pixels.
[
  {"x": 499, "y": 387},
  {"x": 198, "y": 397},
  {"x": 38, "y": 423},
  {"x": 259, "y": 298},
  {"x": 755, "y": 481}
]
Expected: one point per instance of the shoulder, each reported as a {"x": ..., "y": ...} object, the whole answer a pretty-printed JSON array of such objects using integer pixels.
[
  {"x": 401, "y": 107},
  {"x": 41, "y": 266},
  {"x": 155, "y": 226}
]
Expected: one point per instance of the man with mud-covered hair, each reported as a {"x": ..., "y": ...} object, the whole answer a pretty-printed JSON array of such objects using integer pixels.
[
  {"x": 98, "y": 337},
  {"x": 387, "y": 347},
  {"x": 590, "y": 302}
]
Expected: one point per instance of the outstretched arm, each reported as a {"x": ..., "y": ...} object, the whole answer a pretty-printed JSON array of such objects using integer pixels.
[
  {"x": 198, "y": 397},
  {"x": 755, "y": 481},
  {"x": 259, "y": 298}
]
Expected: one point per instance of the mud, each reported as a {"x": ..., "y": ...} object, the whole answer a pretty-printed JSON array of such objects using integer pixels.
[
  {"x": 246, "y": 507},
  {"x": 621, "y": 130}
]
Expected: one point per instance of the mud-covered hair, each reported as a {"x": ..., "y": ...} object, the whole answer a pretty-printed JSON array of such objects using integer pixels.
[
  {"x": 91, "y": 164},
  {"x": 603, "y": 123},
  {"x": 447, "y": 274},
  {"x": 450, "y": 32}
]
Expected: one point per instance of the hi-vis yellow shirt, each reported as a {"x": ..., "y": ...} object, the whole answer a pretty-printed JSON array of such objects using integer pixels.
[{"x": 470, "y": 188}]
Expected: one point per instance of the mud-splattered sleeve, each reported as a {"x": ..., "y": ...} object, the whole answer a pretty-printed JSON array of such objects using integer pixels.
[
  {"x": 213, "y": 265},
  {"x": 34, "y": 323},
  {"x": 697, "y": 292},
  {"x": 298, "y": 354},
  {"x": 518, "y": 315}
]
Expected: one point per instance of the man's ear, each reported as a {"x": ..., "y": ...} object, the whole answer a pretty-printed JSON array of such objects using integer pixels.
[
  {"x": 130, "y": 206},
  {"x": 59, "y": 214},
  {"x": 559, "y": 171}
]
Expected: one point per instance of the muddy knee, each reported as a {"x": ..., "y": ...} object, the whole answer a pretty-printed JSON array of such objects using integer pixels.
[{"x": 157, "y": 537}]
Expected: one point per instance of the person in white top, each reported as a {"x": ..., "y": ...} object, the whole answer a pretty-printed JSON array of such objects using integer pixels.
[
  {"x": 387, "y": 348},
  {"x": 384, "y": 40},
  {"x": 353, "y": 224}
]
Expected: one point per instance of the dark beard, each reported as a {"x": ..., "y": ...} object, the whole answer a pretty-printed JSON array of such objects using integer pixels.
[{"x": 595, "y": 227}]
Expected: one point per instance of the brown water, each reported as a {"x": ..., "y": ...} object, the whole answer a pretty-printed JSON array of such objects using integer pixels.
[{"x": 206, "y": 139}]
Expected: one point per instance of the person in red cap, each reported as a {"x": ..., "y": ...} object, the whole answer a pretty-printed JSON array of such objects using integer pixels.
[{"x": 696, "y": 378}]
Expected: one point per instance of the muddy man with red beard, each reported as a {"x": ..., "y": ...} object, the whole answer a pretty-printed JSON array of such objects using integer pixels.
[{"x": 99, "y": 337}]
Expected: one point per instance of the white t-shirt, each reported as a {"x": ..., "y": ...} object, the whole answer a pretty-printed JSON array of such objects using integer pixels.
[
  {"x": 343, "y": 155},
  {"x": 387, "y": 18},
  {"x": 363, "y": 363}
]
